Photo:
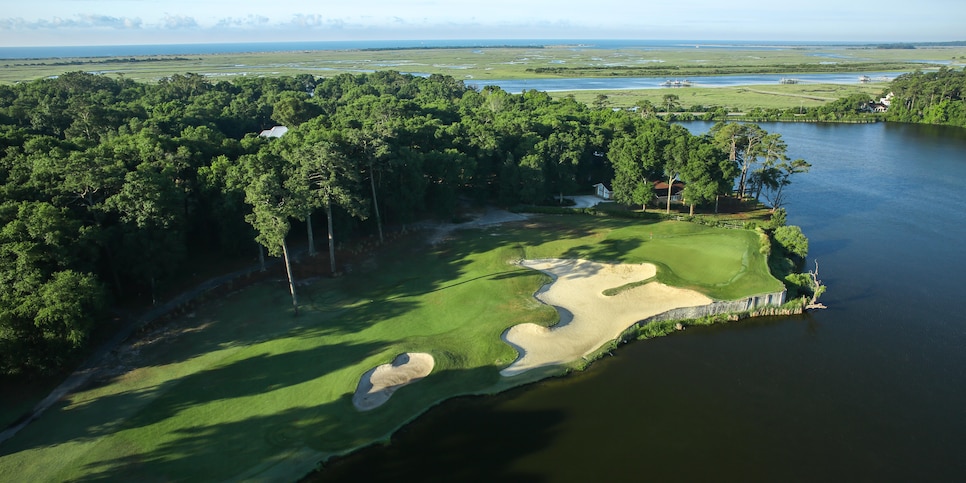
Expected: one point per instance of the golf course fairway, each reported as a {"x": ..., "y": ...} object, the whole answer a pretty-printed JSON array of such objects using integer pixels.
[{"x": 242, "y": 389}]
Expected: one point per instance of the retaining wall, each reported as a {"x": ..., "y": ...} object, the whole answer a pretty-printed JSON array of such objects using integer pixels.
[{"x": 748, "y": 304}]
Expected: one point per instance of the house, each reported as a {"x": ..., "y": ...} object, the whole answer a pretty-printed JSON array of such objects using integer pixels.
[
  {"x": 275, "y": 132},
  {"x": 602, "y": 191},
  {"x": 882, "y": 105},
  {"x": 660, "y": 191}
]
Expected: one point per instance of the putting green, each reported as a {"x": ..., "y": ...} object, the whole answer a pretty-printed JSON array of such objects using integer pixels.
[{"x": 243, "y": 389}]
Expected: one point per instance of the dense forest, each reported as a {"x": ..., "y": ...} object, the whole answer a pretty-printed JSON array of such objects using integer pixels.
[
  {"x": 112, "y": 190},
  {"x": 917, "y": 97},
  {"x": 930, "y": 98}
]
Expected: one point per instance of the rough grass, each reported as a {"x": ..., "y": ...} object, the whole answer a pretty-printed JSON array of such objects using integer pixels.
[
  {"x": 479, "y": 65},
  {"x": 243, "y": 389},
  {"x": 738, "y": 98}
]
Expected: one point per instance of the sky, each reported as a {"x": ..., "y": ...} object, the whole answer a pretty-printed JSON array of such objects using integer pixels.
[{"x": 112, "y": 22}]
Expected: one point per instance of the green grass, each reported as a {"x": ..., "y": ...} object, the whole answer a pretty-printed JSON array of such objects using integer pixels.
[
  {"x": 243, "y": 389},
  {"x": 739, "y": 98},
  {"x": 479, "y": 65}
]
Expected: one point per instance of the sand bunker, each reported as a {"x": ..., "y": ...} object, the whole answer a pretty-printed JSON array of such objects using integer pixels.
[
  {"x": 588, "y": 318},
  {"x": 378, "y": 384}
]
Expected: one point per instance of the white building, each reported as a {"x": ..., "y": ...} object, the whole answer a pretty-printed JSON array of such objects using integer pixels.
[{"x": 275, "y": 132}]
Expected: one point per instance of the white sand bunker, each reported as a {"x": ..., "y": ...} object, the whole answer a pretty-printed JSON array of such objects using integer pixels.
[
  {"x": 588, "y": 318},
  {"x": 378, "y": 384}
]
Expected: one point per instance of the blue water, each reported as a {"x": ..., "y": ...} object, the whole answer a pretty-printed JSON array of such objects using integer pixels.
[
  {"x": 221, "y": 48},
  {"x": 871, "y": 389}
]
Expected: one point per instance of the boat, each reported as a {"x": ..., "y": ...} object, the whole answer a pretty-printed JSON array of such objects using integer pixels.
[{"x": 677, "y": 83}]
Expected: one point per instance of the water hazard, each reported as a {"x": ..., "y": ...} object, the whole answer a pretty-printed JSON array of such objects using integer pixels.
[{"x": 871, "y": 389}]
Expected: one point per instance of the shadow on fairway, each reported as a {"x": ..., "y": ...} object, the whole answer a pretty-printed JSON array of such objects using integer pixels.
[
  {"x": 251, "y": 376},
  {"x": 215, "y": 452},
  {"x": 611, "y": 250}
]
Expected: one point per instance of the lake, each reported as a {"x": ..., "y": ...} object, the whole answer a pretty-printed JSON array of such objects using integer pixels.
[{"x": 871, "y": 389}]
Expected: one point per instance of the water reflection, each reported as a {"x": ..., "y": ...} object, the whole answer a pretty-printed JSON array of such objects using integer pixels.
[{"x": 869, "y": 390}]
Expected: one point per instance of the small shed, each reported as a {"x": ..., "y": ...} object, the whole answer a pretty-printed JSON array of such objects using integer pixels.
[{"x": 602, "y": 191}]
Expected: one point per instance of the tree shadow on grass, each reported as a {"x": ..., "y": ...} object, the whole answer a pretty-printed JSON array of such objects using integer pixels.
[
  {"x": 609, "y": 250},
  {"x": 534, "y": 232},
  {"x": 270, "y": 446},
  {"x": 251, "y": 376}
]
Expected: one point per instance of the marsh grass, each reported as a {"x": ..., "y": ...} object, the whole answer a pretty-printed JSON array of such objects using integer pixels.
[
  {"x": 477, "y": 65},
  {"x": 740, "y": 98}
]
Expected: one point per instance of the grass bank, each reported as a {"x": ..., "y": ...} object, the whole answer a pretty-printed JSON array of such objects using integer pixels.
[{"x": 242, "y": 389}]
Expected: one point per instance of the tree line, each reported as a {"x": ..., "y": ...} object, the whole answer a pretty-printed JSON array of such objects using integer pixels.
[
  {"x": 929, "y": 98},
  {"x": 113, "y": 189},
  {"x": 917, "y": 97}
]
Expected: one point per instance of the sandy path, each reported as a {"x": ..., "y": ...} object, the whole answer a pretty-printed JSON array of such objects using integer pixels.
[
  {"x": 377, "y": 384},
  {"x": 589, "y": 319},
  {"x": 490, "y": 216}
]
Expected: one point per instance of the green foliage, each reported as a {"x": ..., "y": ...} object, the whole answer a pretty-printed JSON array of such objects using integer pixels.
[
  {"x": 764, "y": 242},
  {"x": 792, "y": 240},
  {"x": 798, "y": 285},
  {"x": 930, "y": 97},
  {"x": 778, "y": 219},
  {"x": 130, "y": 184}
]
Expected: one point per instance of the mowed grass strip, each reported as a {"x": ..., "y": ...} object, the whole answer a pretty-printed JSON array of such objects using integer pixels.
[{"x": 243, "y": 389}]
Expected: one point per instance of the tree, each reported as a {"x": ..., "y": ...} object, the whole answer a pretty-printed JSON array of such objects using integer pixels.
[
  {"x": 669, "y": 101},
  {"x": 68, "y": 304},
  {"x": 676, "y": 157},
  {"x": 294, "y": 109},
  {"x": 742, "y": 143},
  {"x": 561, "y": 152},
  {"x": 791, "y": 238},
  {"x": 637, "y": 158},
  {"x": 47, "y": 309},
  {"x": 778, "y": 177},
  {"x": 774, "y": 149},
  {"x": 601, "y": 102},
  {"x": 151, "y": 208},
  {"x": 646, "y": 108},
  {"x": 330, "y": 180},
  {"x": 273, "y": 200},
  {"x": 642, "y": 194},
  {"x": 707, "y": 173}
]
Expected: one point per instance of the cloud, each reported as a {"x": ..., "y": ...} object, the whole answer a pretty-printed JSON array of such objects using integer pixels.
[
  {"x": 301, "y": 20},
  {"x": 176, "y": 22},
  {"x": 111, "y": 22},
  {"x": 78, "y": 21},
  {"x": 249, "y": 21}
]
